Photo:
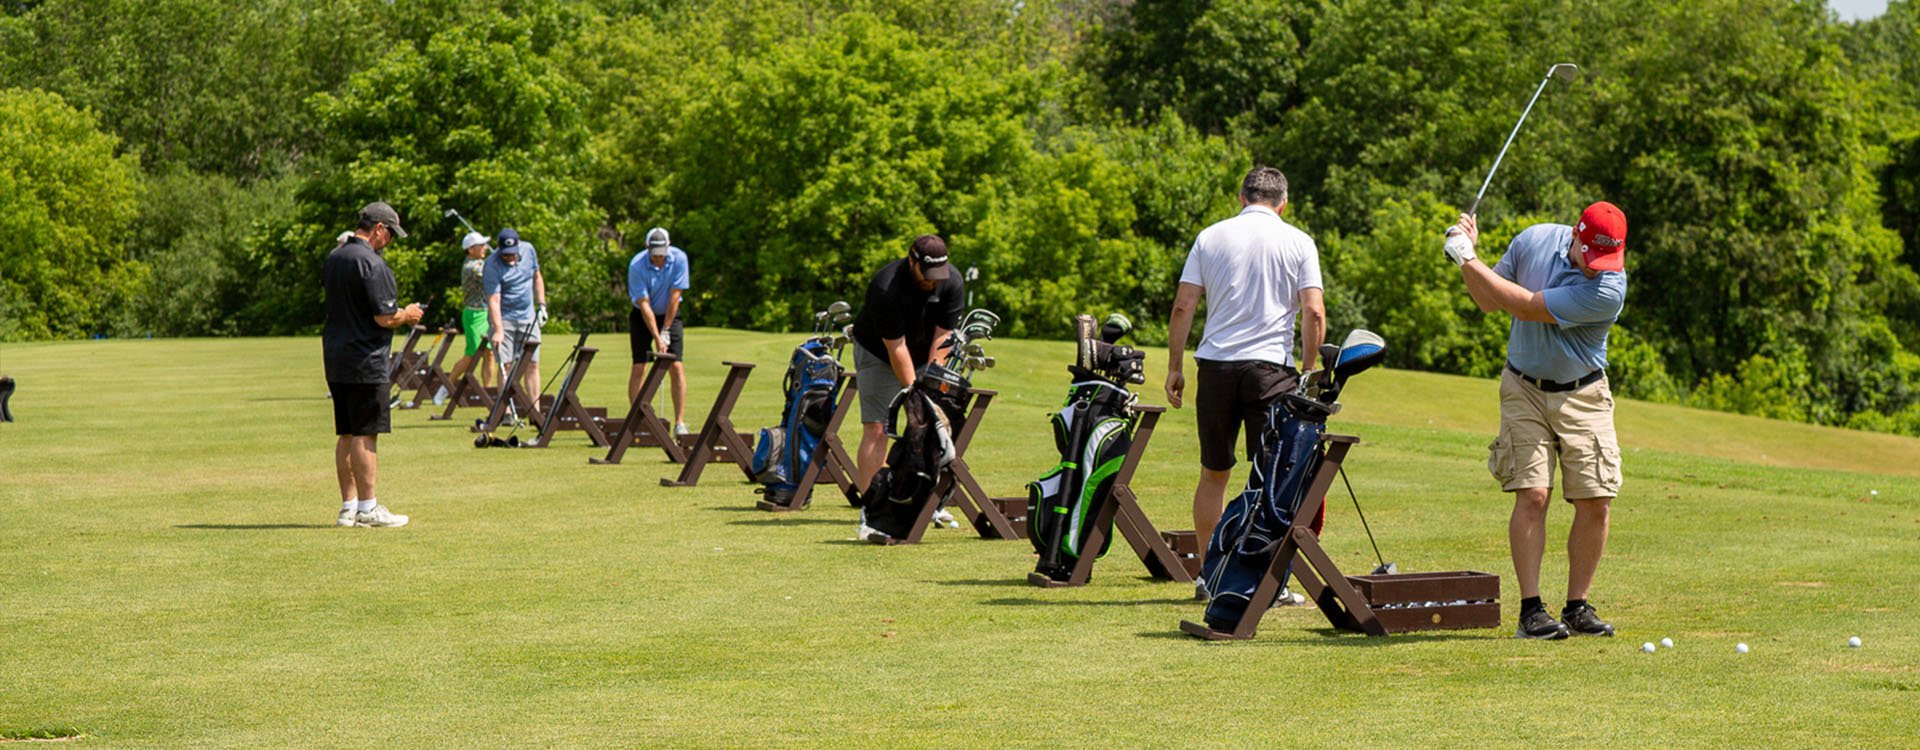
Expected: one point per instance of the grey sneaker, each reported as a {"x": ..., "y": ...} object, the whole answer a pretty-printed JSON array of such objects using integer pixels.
[
  {"x": 680, "y": 430},
  {"x": 379, "y": 517},
  {"x": 440, "y": 396},
  {"x": 1288, "y": 598},
  {"x": 347, "y": 518},
  {"x": 869, "y": 534},
  {"x": 944, "y": 517}
]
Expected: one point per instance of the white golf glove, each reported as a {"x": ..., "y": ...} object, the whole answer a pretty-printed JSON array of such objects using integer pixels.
[
  {"x": 1459, "y": 249},
  {"x": 666, "y": 339},
  {"x": 540, "y": 318}
]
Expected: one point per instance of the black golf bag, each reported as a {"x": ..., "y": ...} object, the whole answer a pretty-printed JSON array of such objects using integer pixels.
[
  {"x": 934, "y": 408},
  {"x": 784, "y": 451},
  {"x": 1092, "y": 433}
]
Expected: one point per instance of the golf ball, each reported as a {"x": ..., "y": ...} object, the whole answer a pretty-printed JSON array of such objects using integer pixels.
[
  {"x": 1853, "y": 642},
  {"x": 1875, "y": 493},
  {"x": 1647, "y": 647},
  {"x": 1740, "y": 647},
  {"x": 1667, "y": 642}
]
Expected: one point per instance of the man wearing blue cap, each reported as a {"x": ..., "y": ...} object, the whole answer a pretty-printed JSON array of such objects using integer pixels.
[
  {"x": 516, "y": 304},
  {"x": 656, "y": 278}
]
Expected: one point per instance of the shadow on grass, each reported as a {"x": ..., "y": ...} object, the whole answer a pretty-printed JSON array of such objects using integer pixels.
[
  {"x": 252, "y": 526},
  {"x": 984, "y": 582},
  {"x": 734, "y": 509},
  {"x": 271, "y": 399},
  {"x": 1329, "y": 636},
  {"x": 1029, "y": 602},
  {"x": 777, "y": 521}
]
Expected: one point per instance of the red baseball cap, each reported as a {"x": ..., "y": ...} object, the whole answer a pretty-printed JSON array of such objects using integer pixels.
[{"x": 1602, "y": 237}]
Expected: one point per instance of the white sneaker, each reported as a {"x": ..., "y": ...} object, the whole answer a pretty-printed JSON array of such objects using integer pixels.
[
  {"x": 347, "y": 518},
  {"x": 870, "y": 534},
  {"x": 944, "y": 517},
  {"x": 1200, "y": 590},
  {"x": 380, "y": 516},
  {"x": 1288, "y": 598},
  {"x": 440, "y": 396},
  {"x": 680, "y": 430}
]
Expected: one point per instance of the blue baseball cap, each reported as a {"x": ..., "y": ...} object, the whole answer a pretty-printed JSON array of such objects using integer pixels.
[{"x": 508, "y": 241}]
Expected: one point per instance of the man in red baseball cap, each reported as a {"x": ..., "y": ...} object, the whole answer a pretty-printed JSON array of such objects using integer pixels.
[{"x": 1564, "y": 286}]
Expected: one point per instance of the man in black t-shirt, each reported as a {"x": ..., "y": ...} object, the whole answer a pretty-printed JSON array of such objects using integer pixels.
[
  {"x": 361, "y": 316},
  {"x": 912, "y": 304}
]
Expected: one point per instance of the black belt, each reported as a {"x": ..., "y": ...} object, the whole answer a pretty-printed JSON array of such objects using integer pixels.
[{"x": 1553, "y": 386}]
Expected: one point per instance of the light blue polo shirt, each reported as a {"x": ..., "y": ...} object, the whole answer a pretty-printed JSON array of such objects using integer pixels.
[
  {"x": 1585, "y": 308},
  {"x": 656, "y": 285},
  {"x": 514, "y": 282}
]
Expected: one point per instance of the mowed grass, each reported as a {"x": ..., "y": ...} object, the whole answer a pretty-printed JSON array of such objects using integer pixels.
[{"x": 170, "y": 577}]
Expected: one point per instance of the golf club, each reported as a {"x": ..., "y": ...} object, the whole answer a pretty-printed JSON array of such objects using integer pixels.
[
  {"x": 452, "y": 214},
  {"x": 1562, "y": 71},
  {"x": 1385, "y": 568}
]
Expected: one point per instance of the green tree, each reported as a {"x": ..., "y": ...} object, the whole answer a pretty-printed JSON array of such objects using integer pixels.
[{"x": 67, "y": 200}]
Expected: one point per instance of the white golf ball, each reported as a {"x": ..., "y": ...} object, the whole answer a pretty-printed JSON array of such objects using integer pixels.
[
  {"x": 1875, "y": 493},
  {"x": 1667, "y": 642},
  {"x": 1853, "y": 642},
  {"x": 1647, "y": 647},
  {"x": 1740, "y": 647}
]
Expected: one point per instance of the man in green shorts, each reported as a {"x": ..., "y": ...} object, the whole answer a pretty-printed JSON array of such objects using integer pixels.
[{"x": 473, "y": 312}]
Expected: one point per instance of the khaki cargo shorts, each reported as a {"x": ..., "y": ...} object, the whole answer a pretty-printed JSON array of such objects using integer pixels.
[{"x": 1574, "y": 426}]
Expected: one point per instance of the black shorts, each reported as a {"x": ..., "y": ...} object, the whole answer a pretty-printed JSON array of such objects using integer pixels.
[
  {"x": 642, "y": 340},
  {"x": 359, "y": 408},
  {"x": 1230, "y": 395}
]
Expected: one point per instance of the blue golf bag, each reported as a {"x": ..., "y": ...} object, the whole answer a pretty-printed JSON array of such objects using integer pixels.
[{"x": 783, "y": 451}]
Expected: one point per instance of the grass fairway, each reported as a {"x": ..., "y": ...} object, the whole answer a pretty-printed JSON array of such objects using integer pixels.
[{"x": 170, "y": 577}]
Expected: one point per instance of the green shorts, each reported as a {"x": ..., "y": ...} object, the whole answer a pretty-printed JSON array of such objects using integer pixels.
[{"x": 476, "y": 325}]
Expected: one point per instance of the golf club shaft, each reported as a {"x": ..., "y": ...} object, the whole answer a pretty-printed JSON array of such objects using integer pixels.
[
  {"x": 1363, "y": 518},
  {"x": 463, "y": 220},
  {"x": 1475, "y": 209}
]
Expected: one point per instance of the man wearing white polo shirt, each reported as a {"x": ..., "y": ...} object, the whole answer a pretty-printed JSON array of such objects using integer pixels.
[{"x": 1257, "y": 272}]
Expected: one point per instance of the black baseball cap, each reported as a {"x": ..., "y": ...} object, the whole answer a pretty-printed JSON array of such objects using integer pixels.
[
  {"x": 931, "y": 253},
  {"x": 381, "y": 212}
]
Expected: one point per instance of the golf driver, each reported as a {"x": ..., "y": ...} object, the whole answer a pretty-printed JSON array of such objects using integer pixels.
[
  {"x": 452, "y": 214},
  {"x": 1457, "y": 243}
]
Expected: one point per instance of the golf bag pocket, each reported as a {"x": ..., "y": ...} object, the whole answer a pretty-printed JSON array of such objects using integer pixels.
[
  {"x": 1043, "y": 497},
  {"x": 769, "y": 456}
]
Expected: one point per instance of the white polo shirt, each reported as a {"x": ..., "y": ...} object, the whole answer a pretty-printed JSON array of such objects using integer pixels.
[{"x": 1252, "y": 268}]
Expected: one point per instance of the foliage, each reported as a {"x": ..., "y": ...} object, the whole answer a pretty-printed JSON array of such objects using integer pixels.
[{"x": 67, "y": 201}]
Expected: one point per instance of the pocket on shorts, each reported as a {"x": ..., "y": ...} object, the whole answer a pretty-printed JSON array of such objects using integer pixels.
[
  {"x": 1593, "y": 463},
  {"x": 1500, "y": 459}
]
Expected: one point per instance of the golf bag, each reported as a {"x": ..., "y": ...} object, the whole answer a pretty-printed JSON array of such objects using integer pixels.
[
  {"x": 934, "y": 408},
  {"x": 783, "y": 451},
  {"x": 1254, "y": 524},
  {"x": 1092, "y": 433}
]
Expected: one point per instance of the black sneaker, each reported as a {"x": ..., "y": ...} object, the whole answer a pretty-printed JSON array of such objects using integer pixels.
[
  {"x": 1582, "y": 621},
  {"x": 1540, "y": 625}
]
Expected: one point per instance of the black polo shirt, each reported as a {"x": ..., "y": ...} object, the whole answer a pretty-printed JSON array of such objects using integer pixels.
[
  {"x": 896, "y": 308},
  {"x": 359, "y": 286}
]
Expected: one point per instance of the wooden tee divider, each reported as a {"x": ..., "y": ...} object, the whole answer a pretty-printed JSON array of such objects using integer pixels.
[
  {"x": 988, "y": 520},
  {"x": 1122, "y": 511},
  {"x": 830, "y": 459}
]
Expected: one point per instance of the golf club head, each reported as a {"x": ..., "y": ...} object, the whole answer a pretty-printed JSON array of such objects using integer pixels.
[
  {"x": 1386, "y": 569},
  {"x": 480, "y": 441},
  {"x": 842, "y": 318},
  {"x": 1115, "y": 326},
  {"x": 986, "y": 363},
  {"x": 1361, "y": 350},
  {"x": 450, "y": 213},
  {"x": 1328, "y": 354},
  {"x": 839, "y": 307},
  {"x": 973, "y": 349},
  {"x": 1564, "y": 71},
  {"x": 513, "y": 441}
]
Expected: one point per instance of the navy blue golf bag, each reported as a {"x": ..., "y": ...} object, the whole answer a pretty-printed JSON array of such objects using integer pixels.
[
  {"x": 783, "y": 452},
  {"x": 934, "y": 409},
  {"x": 1253, "y": 525}
]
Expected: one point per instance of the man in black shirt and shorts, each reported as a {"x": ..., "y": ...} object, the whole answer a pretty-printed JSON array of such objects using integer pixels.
[
  {"x": 912, "y": 304},
  {"x": 361, "y": 316}
]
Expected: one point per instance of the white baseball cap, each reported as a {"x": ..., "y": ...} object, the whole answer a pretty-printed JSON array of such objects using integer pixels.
[
  {"x": 658, "y": 242},
  {"x": 472, "y": 238}
]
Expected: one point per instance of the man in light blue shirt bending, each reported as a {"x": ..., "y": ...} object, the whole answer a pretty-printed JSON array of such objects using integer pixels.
[{"x": 656, "y": 279}]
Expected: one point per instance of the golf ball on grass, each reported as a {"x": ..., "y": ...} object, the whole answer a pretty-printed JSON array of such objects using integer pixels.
[
  {"x": 1740, "y": 647},
  {"x": 1853, "y": 642},
  {"x": 1666, "y": 642},
  {"x": 1647, "y": 647}
]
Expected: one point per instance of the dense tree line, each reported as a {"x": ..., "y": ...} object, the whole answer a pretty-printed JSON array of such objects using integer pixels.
[{"x": 179, "y": 166}]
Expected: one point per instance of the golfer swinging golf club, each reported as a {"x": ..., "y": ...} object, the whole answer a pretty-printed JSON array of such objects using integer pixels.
[
  {"x": 473, "y": 313},
  {"x": 361, "y": 316},
  {"x": 913, "y": 303},
  {"x": 1564, "y": 286},
  {"x": 516, "y": 304},
  {"x": 1257, "y": 272},
  {"x": 656, "y": 279}
]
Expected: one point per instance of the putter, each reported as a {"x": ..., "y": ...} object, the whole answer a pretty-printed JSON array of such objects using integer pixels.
[{"x": 1562, "y": 71}]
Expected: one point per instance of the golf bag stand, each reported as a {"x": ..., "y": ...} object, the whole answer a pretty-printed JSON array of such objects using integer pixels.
[
  {"x": 829, "y": 460},
  {"x": 1122, "y": 510},
  {"x": 563, "y": 410},
  {"x": 406, "y": 358},
  {"x": 642, "y": 426},
  {"x": 1301, "y": 554},
  {"x": 430, "y": 376},
  {"x": 718, "y": 438}
]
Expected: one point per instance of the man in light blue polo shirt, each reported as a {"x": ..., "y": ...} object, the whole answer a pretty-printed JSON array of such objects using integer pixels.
[
  {"x": 1564, "y": 286},
  {"x": 516, "y": 304},
  {"x": 656, "y": 278}
]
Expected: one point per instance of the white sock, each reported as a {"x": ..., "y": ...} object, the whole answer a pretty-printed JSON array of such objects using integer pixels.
[
  {"x": 366, "y": 506},
  {"x": 350, "y": 505}
]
